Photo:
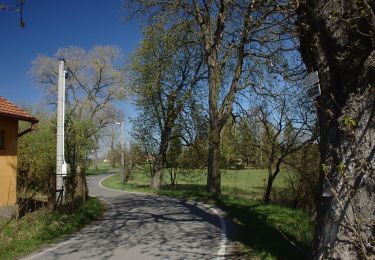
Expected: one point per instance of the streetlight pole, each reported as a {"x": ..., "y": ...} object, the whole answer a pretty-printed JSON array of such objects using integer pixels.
[{"x": 122, "y": 161}]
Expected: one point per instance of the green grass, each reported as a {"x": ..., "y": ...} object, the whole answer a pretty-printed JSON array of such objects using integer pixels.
[
  {"x": 103, "y": 167},
  {"x": 247, "y": 183},
  {"x": 264, "y": 231},
  {"x": 37, "y": 229}
]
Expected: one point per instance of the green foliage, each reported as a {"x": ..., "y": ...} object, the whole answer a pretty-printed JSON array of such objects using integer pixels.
[
  {"x": 325, "y": 168},
  {"x": 79, "y": 143},
  {"x": 164, "y": 71},
  {"x": 37, "y": 229},
  {"x": 36, "y": 157},
  {"x": 349, "y": 122},
  {"x": 302, "y": 188},
  {"x": 340, "y": 167},
  {"x": 239, "y": 145}
]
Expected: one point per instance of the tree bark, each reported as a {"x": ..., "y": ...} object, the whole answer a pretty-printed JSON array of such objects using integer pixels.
[
  {"x": 161, "y": 159},
  {"x": 156, "y": 175},
  {"x": 52, "y": 193},
  {"x": 271, "y": 177},
  {"x": 82, "y": 188},
  {"x": 338, "y": 40},
  {"x": 213, "y": 174},
  {"x": 216, "y": 122},
  {"x": 267, "y": 194}
]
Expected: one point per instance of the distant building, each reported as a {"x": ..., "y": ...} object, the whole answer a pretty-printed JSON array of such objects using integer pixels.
[{"x": 10, "y": 115}]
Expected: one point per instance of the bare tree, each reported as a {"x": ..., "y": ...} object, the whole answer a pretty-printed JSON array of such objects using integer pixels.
[
  {"x": 17, "y": 7},
  {"x": 286, "y": 129},
  {"x": 94, "y": 86}
]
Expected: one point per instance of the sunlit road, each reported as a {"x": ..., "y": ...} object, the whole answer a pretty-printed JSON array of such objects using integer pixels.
[{"x": 139, "y": 226}]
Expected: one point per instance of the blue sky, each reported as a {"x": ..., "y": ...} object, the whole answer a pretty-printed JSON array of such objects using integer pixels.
[{"x": 50, "y": 25}]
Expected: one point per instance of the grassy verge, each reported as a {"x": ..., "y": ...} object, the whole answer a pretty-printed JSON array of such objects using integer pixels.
[
  {"x": 264, "y": 231},
  {"x": 37, "y": 229}
]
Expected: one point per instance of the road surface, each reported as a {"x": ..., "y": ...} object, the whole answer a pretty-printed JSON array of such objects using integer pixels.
[{"x": 140, "y": 226}]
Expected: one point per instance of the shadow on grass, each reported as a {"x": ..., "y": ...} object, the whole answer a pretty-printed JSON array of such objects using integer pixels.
[{"x": 258, "y": 231}]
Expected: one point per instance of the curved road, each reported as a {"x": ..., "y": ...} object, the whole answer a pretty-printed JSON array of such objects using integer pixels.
[{"x": 140, "y": 226}]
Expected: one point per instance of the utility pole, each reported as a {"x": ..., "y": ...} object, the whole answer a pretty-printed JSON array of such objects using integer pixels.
[{"x": 61, "y": 166}]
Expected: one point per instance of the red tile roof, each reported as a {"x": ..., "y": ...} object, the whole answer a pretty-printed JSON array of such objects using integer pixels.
[{"x": 10, "y": 110}]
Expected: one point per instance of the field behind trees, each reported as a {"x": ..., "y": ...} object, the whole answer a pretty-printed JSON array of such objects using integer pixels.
[{"x": 245, "y": 183}]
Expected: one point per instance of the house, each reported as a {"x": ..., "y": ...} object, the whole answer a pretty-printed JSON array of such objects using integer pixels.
[{"x": 10, "y": 115}]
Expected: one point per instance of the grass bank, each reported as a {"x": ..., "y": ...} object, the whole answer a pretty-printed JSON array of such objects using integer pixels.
[
  {"x": 39, "y": 228},
  {"x": 264, "y": 231}
]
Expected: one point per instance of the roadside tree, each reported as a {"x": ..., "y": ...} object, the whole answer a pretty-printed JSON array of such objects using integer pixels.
[
  {"x": 239, "y": 39},
  {"x": 338, "y": 40},
  {"x": 164, "y": 72}
]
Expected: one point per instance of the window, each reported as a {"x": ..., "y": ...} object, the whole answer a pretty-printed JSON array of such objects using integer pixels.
[{"x": 2, "y": 139}]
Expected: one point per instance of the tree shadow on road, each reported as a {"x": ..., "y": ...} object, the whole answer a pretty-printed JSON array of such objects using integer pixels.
[{"x": 148, "y": 227}]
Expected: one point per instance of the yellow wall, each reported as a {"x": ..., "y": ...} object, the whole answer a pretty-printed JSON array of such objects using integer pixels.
[{"x": 8, "y": 163}]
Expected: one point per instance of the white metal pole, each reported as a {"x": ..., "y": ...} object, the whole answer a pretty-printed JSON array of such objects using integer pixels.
[
  {"x": 60, "y": 126},
  {"x": 122, "y": 146}
]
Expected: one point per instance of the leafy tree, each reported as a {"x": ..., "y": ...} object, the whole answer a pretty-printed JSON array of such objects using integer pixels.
[
  {"x": 246, "y": 142},
  {"x": 240, "y": 39},
  {"x": 164, "y": 71},
  {"x": 134, "y": 157},
  {"x": 337, "y": 40},
  {"x": 79, "y": 143}
]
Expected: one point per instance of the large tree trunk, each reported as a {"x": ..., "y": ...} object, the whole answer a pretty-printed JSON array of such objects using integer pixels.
[
  {"x": 338, "y": 40},
  {"x": 216, "y": 122},
  {"x": 161, "y": 159},
  {"x": 82, "y": 189},
  {"x": 213, "y": 175},
  {"x": 51, "y": 196},
  {"x": 156, "y": 176}
]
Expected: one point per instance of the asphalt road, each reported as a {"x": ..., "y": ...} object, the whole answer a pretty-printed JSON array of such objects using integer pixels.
[{"x": 139, "y": 226}]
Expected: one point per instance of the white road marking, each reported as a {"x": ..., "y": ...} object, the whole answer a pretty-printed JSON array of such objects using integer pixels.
[{"x": 223, "y": 227}]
